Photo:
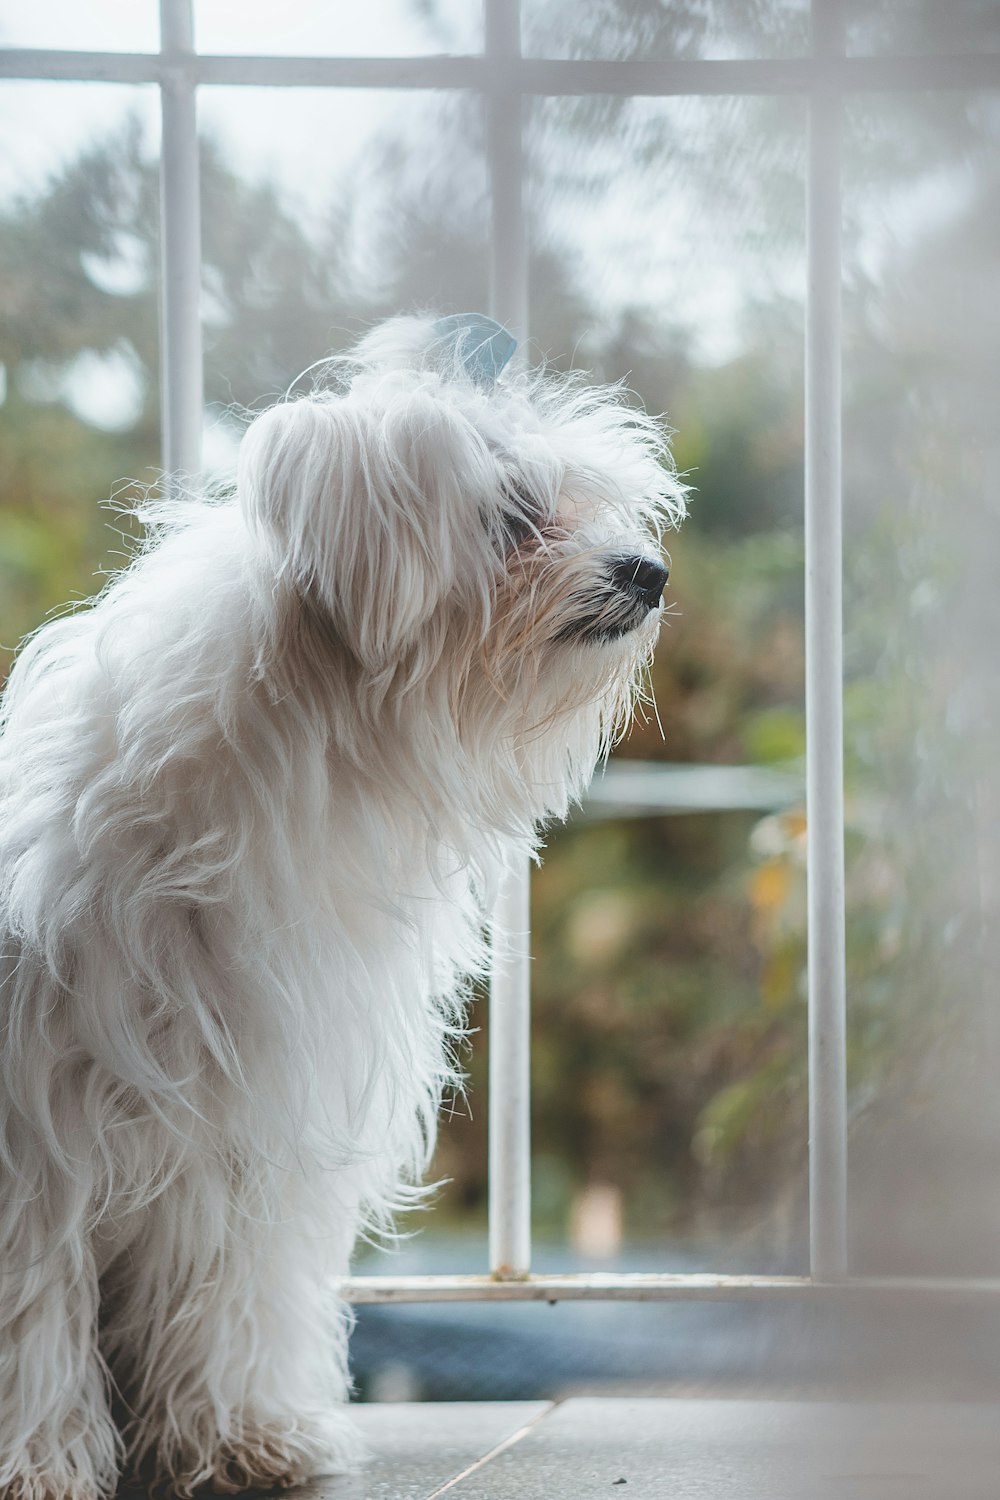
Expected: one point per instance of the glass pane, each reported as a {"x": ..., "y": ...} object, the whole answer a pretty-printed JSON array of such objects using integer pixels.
[
  {"x": 98, "y": 26},
  {"x": 921, "y": 26},
  {"x": 45, "y": 126},
  {"x": 654, "y": 32},
  {"x": 78, "y": 340},
  {"x": 667, "y": 249},
  {"x": 687, "y": 212},
  {"x": 301, "y": 255},
  {"x": 314, "y": 28},
  {"x": 922, "y": 456}
]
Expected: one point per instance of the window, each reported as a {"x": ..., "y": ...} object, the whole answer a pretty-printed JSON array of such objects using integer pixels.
[{"x": 638, "y": 152}]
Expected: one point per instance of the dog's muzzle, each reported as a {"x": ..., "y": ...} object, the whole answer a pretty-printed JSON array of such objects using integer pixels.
[{"x": 634, "y": 589}]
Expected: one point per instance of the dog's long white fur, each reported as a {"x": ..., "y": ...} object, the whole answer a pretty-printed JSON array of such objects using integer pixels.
[{"x": 255, "y": 803}]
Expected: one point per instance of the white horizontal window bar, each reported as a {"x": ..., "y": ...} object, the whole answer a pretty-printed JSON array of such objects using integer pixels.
[
  {"x": 660, "y": 1287},
  {"x": 638, "y": 789},
  {"x": 528, "y": 75}
]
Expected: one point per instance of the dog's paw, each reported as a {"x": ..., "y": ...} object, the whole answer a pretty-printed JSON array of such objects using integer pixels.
[
  {"x": 264, "y": 1460},
  {"x": 271, "y": 1456}
]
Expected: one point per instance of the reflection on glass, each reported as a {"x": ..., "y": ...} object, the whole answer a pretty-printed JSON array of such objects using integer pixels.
[
  {"x": 922, "y": 455},
  {"x": 911, "y": 27},
  {"x": 650, "y": 30},
  {"x": 315, "y": 28}
]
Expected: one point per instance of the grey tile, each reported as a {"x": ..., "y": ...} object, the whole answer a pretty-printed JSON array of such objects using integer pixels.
[
  {"x": 415, "y": 1448},
  {"x": 625, "y": 1449}
]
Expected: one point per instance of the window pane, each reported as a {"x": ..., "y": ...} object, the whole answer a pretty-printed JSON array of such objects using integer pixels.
[
  {"x": 78, "y": 337},
  {"x": 650, "y": 30},
  {"x": 313, "y": 28},
  {"x": 44, "y": 126},
  {"x": 921, "y": 462},
  {"x": 920, "y": 26},
  {"x": 304, "y": 248},
  {"x": 97, "y": 26},
  {"x": 687, "y": 211},
  {"x": 667, "y": 249}
]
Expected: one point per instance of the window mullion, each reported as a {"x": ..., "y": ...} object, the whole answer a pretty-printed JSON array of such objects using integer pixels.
[
  {"x": 510, "y": 998},
  {"x": 181, "y": 372}
]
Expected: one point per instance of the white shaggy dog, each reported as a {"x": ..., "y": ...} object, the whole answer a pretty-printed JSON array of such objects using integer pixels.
[{"x": 254, "y": 805}]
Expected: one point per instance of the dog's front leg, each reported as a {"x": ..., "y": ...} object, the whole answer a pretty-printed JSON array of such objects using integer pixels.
[
  {"x": 57, "y": 1439},
  {"x": 228, "y": 1340}
]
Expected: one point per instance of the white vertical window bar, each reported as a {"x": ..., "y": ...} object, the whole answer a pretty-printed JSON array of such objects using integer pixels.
[
  {"x": 824, "y": 663},
  {"x": 181, "y": 379},
  {"x": 510, "y": 988}
]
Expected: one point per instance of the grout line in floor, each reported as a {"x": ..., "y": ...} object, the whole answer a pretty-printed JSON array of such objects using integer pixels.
[{"x": 508, "y": 1442}]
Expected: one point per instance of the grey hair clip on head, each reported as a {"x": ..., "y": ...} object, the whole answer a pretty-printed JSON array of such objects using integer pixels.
[{"x": 484, "y": 345}]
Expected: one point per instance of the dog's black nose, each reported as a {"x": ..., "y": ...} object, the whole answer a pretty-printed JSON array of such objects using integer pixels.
[{"x": 642, "y": 576}]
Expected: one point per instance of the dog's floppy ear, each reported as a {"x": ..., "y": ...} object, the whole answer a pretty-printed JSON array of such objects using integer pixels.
[
  {"x": 289, "y": 463},
  {"x": 370, "y": 500}
]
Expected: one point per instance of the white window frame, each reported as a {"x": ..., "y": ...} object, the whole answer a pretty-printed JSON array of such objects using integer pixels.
[{"x": 505, "y": 78}]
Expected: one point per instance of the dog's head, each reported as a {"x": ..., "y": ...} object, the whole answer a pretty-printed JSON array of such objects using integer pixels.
[{"x": 493, "y": 533}]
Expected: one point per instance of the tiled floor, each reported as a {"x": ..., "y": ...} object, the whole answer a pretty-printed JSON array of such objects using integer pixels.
[{"x": 662, "y": 1449}]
